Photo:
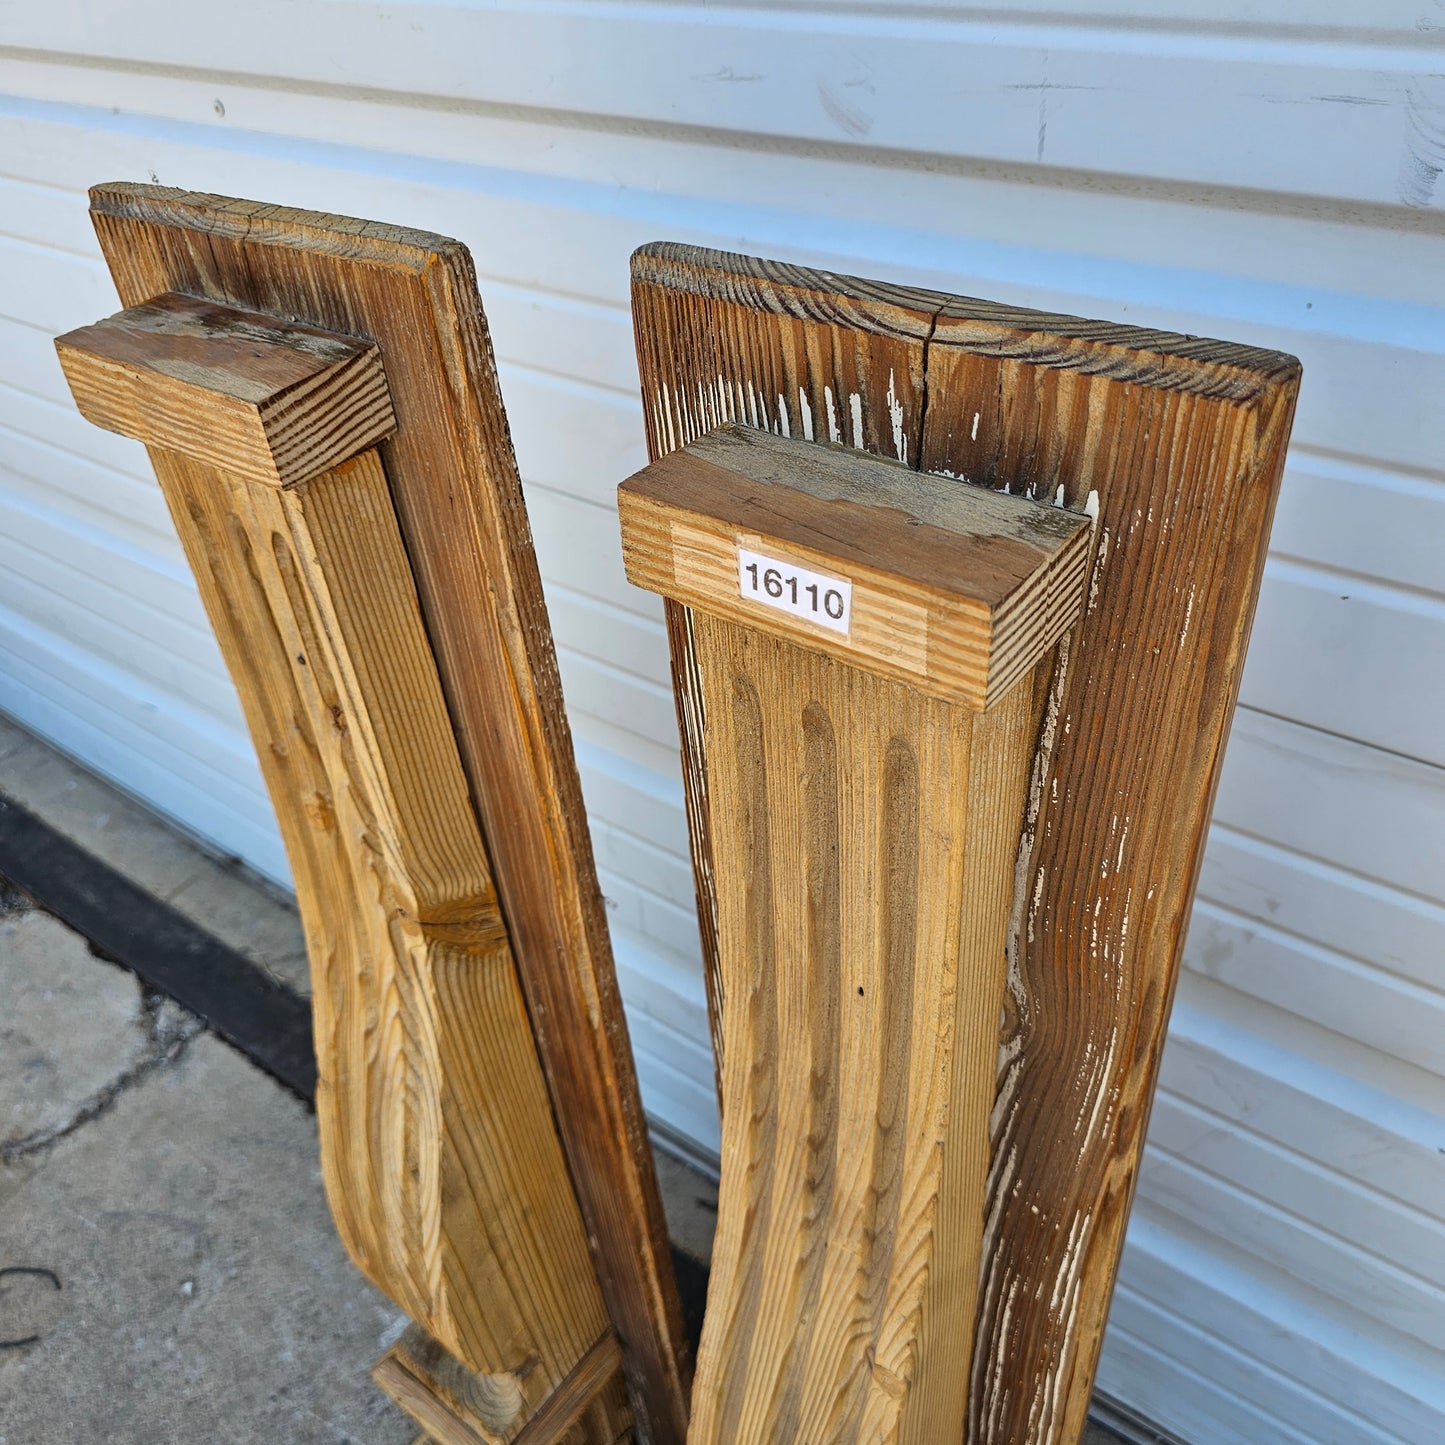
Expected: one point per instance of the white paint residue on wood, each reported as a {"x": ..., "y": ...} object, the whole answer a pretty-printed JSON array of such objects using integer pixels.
[
  {"x": 1073, "y": 1259},
  {"x": 1059, "y": 496},
  {"x": 834, "y": 435},
  {"x": 855, "y": 413},
  {"x": 1101, "y": 555},
  {"x": 1358, "y": 278},
  {"x": 895, "y": 415},
  {"x": 662, "y": 409},
  {"x": 1188, "y": 613},
  {"x": 785, "y": 428}
]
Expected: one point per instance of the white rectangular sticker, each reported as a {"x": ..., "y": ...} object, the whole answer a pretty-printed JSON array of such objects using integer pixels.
[{"x": 814, "y": 597}]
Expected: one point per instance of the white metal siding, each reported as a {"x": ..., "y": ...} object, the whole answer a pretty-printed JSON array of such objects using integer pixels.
[{"x": 1230, "y": 168}]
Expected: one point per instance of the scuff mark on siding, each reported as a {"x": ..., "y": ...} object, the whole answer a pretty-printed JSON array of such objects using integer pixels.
[{"x": 1424, "y": 155}]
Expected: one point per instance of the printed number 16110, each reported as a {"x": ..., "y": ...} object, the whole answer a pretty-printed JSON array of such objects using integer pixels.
[{"x": 813, "y": 596}]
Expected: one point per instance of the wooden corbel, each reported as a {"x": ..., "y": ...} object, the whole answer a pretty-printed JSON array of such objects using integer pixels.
[
  {"x": 1174, "y": 446},
  {"x": 866, "y": 639},
  {"x": 321, "y": 411}
]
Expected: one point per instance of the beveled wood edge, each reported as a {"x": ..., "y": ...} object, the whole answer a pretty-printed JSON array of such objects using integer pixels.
[
  {"x": 1265, "y": 387},
  {"x": 397, "y": 247},
  {"x": 938, "y": 318},
  {"x": 649, "y": 1259}
]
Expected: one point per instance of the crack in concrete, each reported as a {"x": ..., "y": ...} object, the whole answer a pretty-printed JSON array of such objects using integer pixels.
[{"x": 168, "y": 1031}]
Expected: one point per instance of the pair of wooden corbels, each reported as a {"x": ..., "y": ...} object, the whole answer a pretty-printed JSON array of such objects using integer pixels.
[{"x": 957, "y": 597}]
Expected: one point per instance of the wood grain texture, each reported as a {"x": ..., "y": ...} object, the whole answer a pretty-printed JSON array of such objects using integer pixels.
[
  {"x": 954, "y": 590},
  {"x": 1180, "y": 441},
  {"x": 279, "y": 402},
  {"x": 865, "y": 839},
  {"x": 441, "y": 1161},
  {"x": 458, "y": 1407},
  {"x": 458, "y": 498},
  {"x": 719, "y": 343},
  {"x": 1183, "y": 441}
]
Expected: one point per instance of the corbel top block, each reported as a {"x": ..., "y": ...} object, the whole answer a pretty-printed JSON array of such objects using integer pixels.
[
  {"x": 953, "y": 588},
  {"x": 266, "y": 399}
]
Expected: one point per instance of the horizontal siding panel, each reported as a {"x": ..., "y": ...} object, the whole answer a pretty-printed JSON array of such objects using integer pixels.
[
  {"x": 1311, "y": 117},
  {"x": 646, "y": 803},
  {"x": 633, "y": 645},
  {"x": 66, "y": 126},
  {"x": 1290, "y": 1331},
  {"x": 1364, "y": 362},
  {"x": 172, "y": 650},
  {"x": 28, "y": 363},
  {"x": 1362, "y": 520},
  {"x": 675, "y": 1078},
  {"x": 579, "y": 544},
  {"x": 42, "y": 213},
  {"x": 641, "y": 911},
  {"x": 1333, "y": 799},
  {"x": 667, "y": 1020},
  {"x": 568, "y": 336},
  {"x": 1353, "y": 657},
  {"x": 132, "y": 513},
  {"x": 52, "y": 290},
  {"x": 668, "y": 875},
  {"x": 610, "y": 695},
  {"x": 1359, "y": 1279},
  {"x": 638, "y": 751},
  {"x": 57, "y": 424},
  {"x": 936, "y": 219},
  {"x": 1395, "y": 930},
  {"x": 601, "y": 443},
  {"x": 1197, "y": 1381},
  {"x": 1395, "y": 1016},
  {"x": 1348, "y": 1109},
  {"x": 148, "y": 743},
  {"x": 1350, "y": 1209}
]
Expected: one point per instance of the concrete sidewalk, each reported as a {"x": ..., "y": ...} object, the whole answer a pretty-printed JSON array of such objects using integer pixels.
[{"x": 168, "y": 1270}]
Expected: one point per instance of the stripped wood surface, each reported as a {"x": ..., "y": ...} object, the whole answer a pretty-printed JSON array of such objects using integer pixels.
[
  {"x": 1177, "y": 443},
  {"x": 953, "y": 590},
  {"x": 279, "y": 402},
  {"x": 864, "y": 833},
  {"x": 863, "y": 909},
  {"x": 454, "y": 483},
  {"x": 442, "y": 1165}
]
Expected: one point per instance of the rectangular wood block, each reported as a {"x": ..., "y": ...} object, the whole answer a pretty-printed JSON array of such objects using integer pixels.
[
  {"x": 272, "y": 401},
  {"x": 954, "y": 590}
]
